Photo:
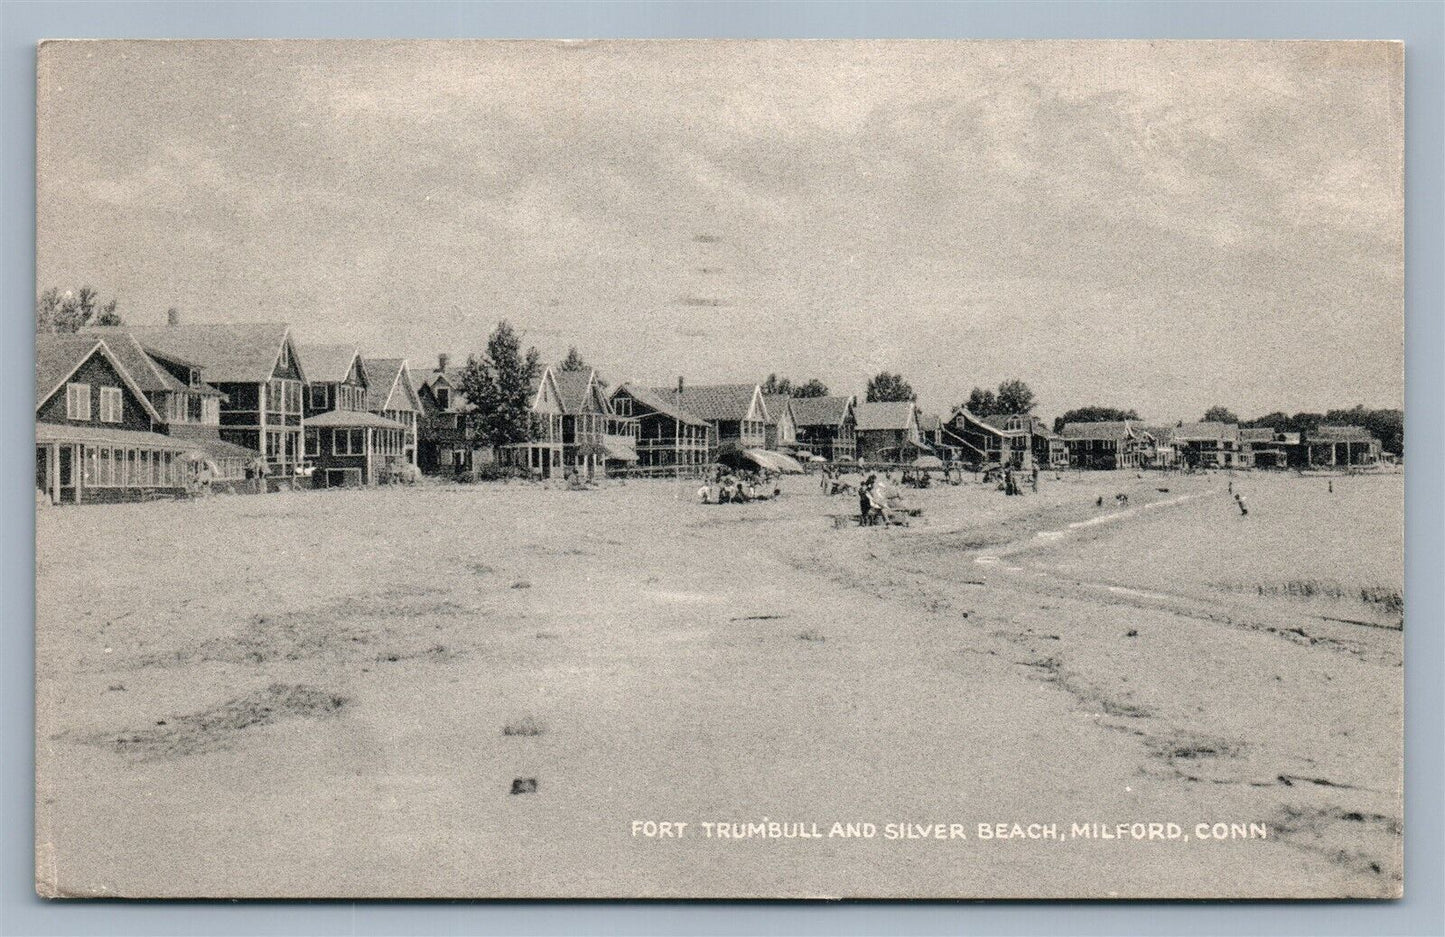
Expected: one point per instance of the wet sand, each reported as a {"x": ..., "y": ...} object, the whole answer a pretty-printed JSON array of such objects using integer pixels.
[{"x": 335, "y": 693}]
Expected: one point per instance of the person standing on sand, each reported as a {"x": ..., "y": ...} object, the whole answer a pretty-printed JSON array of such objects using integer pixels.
[
  {"x": 865, "y": 504},
  {"x": 1034, "y": 477},
  {"x": 1239, "y": 500}
]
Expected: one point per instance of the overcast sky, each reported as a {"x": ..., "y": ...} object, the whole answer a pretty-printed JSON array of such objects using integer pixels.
[{"x": 1161, "y": 226}]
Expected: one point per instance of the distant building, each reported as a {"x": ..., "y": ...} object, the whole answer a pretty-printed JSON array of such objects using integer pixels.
[
  {"x": 735, "y": 413},
  {"x": 347, "y": 444},
  {"x": 594, "y": 438},
  {"x": 1158, "y": 450},
  {"x": 780, "y": 432},
  {"x": 392, "y": 395},
  {"x": 827, "y": 427},
  {"x": 1341, "y": 445},
  {"x": 1017, "y": 440},
  {"x": 1109, "y": 444},
  {"x": 665, "y": 436},
  {"x": 888, "y": 432},
  {"x": 96, "y": 433},
  {"x": 1208, "y": 444},
  {"x": 446, "y": 441}
]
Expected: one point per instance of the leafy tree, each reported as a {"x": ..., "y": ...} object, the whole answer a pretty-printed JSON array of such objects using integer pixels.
[
  {"x": 499, "y": 386},
  {"x": 812, "y": 387},
  {"x": 777, "y": 385},
  {"x": 72, "y": 310},
  {"x": 982, "y": 402},
  {"x": 1388, "y": 426},
  {"x": 1218, "y": 414},
  {"x": 1095, "y": 415},
  {"x": 1014, "y": 396},
  {"x": 889, "y": 387},
  {"x": 573, "y": 361}
]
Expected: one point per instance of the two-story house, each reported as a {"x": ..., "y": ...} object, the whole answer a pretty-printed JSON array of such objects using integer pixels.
[
  {"x": 392, "y": 395},
  {"x": 666, "y": 437},
  {"x": 347, "y": 444},
  {"x": 826, "y": 427},
  {"x": 888, "y": 432}
]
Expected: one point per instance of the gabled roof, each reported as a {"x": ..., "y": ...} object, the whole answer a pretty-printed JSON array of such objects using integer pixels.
[
  {"x": 58, "y": 356},
  {"x": 820, "y": 411},
  {"x": 240, "y": 352},
  {"x": 715, "y": 401},
  {"x": 575, "y": 386},
  {"x": 1206, "y": 430},
  {"x": 900, "y": 414},
  {"x": 777, "y": 405},
  {"x": 660, "y": 402},
  {"x": 331, "y": 363},
  {"x": 1101, "y": 429},
  {"x": 453, "y": 378},
  {"x": 390, "y": 385}
]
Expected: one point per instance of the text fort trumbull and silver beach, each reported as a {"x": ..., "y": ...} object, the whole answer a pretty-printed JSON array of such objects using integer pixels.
[{"x": 719, "y": 469}]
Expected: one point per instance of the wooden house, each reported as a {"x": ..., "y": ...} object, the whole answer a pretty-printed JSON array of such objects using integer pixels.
[
  {"x": 541, "y": 454},
  {"x": 446, "y": 441},
  {"x": 1341, "y": 445},
  {"x": 1208, "y": 444},
  {"x": 592, "y": 436},
  {"x": 1010, "y": 440},
  {"x": 665, "y": 436},
  {"x": 258, "y": 370},
  {"x": 1109, "y": 444},
  {"x": 735, "y": 413},
  {"x": 780, "y": 432},
  {"x": 1266, "y": 448},
  {"x": 1159, "y": 450},
  {"x": 346, "y": 444},
  {"x": 392, "y": 395},
  {"x": 97, "y": 434},
  {"x": 826, "y": 427},
  {"x": 888, "y": 432}
]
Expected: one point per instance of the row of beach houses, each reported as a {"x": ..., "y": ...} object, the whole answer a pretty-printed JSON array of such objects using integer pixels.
[{"x": 128, "y": 413}]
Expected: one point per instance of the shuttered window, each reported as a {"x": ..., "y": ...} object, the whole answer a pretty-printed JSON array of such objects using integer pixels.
[
  {"x": 111, "y": 405},
  {"x": 77, "y": 401}
]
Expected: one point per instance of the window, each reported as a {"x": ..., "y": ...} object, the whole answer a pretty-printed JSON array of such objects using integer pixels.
[
  {"x": 318, "y": 396},
  {"x": 444, "y": 398},
  {"x": 313, "y": 442},
  {"x": 110, "y": 405},
  {"x": 77, "y": 401},
  {"x": 285, "y": 360}
]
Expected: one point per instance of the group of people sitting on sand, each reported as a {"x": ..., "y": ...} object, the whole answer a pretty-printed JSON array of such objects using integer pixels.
[
  {"x": 729, "y": 487},
  {"x": 877, "y": 505}
]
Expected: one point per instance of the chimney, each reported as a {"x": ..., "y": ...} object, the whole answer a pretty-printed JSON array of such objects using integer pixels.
[
  {"x": 442, "y": 360},
  {"x": 173, "y": 317},
  {"x": 679, "y": 386}
]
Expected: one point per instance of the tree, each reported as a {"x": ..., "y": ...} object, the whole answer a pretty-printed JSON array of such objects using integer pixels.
[
  {"x": 1219, "y": 414},
  {"x": 812, "y": 387},
  {"x": 499, "y": 386},
  {"x": 1014, "y": 396},
  {"x": 1388, "y": 426},
  {"x": 982, "y": 402},
  {"x": 776, "y": 385},
  {"x": 889, "y": 387},
  {"x": 1095, "y": 415},
  {"x": 72, "y": 310},
  {"x": 573, "y": 361}
]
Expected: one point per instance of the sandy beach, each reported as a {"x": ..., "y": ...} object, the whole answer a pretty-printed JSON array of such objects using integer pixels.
[{"x": 336, "y": 693}]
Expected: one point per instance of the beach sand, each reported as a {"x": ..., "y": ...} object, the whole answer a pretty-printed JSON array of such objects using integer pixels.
[{"x": 335, "y": 693}]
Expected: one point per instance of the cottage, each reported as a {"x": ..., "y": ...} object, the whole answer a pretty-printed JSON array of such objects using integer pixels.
[
  {"x": 446, "y": 440},
  {"x": 1111, "y": 444},
  {"x": 735, "y": 413},
  {"x": 1341, "y": 445},
  {"x": 888, "y": 432},
  {"x": 257, "y": 369},
  {"x": 391, "y": 395},
  {"x": 780, "y": 432},
  {"x": 541, "y": 453},
  {"x": 346, "y": 443},
  {"x": 592, "y": 436},
  {"x": 1017, "y": 440},
  {"x": 665, "y": 435},
  {"x": 97, "y": 433},
  {"x": 1208, "y": 444},
  {"x": 826, "y": 427}
]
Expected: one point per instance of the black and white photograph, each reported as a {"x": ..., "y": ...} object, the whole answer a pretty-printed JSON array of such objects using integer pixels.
[{"x": 719, "y": 469}]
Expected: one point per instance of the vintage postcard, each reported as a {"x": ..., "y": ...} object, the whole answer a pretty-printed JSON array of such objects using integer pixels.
[{"x": 719, "y": 469}]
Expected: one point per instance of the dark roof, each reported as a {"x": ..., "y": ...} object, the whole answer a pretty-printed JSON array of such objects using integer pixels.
[
  {"x": 383, "y": 387},
  {"x": 458, "y": 402},
  {"x": 243, "y": 352},
  {"x": 1161, "y": 434},
  {"x": 714, "y": 401},
  {"x": 351, "y": 419},
  {"x": 776, "y": 404},
  {"x": 893, "y": 414},
  {"x": 329, "y": 362},
  {"x": 820, "y": 411},
  {"x": 572, "y": 387},
  {"x": 1102, "y": 429},
  {"x": 660, "y": 402},
  {"x": 1341, "y": 434},
  {"x": 1256, "y": 434},
  {"x": 55, "y": 357}
]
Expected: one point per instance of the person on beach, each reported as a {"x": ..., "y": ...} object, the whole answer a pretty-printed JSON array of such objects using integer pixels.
[
  {"x": 1239, "y": 500},
  {"x": 865, "y": 504},
  {"x": 1034, "y": 477}
]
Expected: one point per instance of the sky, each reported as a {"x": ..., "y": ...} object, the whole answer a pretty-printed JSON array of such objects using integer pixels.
[{"x": 1162, "y": 226}]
